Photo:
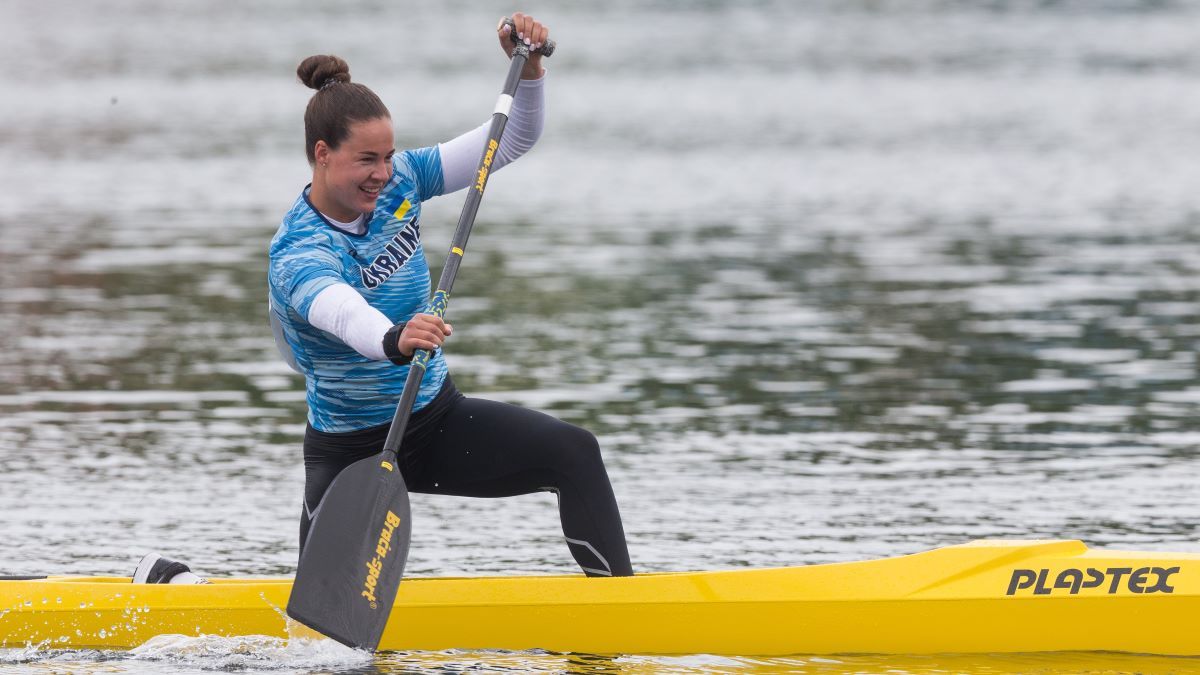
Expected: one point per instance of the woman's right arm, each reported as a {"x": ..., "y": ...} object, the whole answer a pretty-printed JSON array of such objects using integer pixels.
[
  {"x": 346, "y": 314},
  {"x": 342, "y": 311}
]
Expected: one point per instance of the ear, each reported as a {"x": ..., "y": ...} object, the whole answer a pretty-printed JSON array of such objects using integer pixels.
[{"x": 321, "y": 152}]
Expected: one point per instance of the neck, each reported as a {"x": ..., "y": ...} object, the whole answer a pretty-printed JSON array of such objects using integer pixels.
[{"x": 319, "y": 197}]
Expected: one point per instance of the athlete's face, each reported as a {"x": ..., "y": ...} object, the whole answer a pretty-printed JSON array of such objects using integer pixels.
[{"x": 351, "y": 176}]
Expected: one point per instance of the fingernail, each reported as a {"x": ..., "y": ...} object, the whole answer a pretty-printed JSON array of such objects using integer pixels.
[
  {"x": 521, "y": 35},
  {"x": 526, "y": 41}
]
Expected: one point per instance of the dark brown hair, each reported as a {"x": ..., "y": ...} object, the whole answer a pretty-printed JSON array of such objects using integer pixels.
[{"x": 337, "y": 103}]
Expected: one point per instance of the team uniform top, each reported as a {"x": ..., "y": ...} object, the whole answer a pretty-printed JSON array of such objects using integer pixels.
[
  {"x": 354, "y": 388},
  {"x": 347, "y": 391}
]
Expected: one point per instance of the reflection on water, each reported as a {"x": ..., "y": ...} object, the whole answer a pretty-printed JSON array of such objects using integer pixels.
[{"x": 830, "y": 280}]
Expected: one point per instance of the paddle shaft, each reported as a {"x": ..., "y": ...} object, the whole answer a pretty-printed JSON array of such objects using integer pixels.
[{"x": 458, "y": 245}]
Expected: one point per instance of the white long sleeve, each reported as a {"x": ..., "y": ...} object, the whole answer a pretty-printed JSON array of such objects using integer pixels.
[
  {"x": 342, "y": 311},
  {"x": 460, "y": 156}
]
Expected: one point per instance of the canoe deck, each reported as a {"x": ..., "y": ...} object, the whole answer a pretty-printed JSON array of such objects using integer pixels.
[{"x": 984, "y": 596}]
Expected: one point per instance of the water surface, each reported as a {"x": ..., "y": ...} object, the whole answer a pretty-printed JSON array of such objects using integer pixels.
[{"x": 829, "y": 280}]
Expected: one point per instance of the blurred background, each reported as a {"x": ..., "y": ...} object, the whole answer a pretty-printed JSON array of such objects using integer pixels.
[{"x": 830, "y": 279}]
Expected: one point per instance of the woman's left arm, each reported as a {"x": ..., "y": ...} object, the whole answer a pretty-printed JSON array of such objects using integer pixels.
[{"x": 460, "y": 156}]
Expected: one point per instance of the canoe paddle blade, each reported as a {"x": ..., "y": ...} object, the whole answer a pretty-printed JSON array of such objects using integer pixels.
[{"x": 353, "y": 560}]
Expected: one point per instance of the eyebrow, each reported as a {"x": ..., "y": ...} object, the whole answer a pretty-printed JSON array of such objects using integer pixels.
[{"x": 372, "y": 153}]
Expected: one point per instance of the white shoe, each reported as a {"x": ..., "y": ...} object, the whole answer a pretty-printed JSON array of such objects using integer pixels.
[{"x": 155, "y": 569}]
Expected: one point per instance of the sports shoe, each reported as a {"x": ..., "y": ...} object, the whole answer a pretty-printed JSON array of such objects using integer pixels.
[{"x": 155, "y": 569}]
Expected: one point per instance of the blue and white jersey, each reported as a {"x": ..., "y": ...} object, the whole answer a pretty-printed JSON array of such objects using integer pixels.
[{"x": 347, "y": 391}]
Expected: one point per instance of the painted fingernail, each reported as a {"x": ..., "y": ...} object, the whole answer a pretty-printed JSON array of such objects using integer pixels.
[
  {"x": 527, "y": 41},
  {"x": 521, "y": 35}
]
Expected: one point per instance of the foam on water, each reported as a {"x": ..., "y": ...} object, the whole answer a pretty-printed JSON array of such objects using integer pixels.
[
  {"x": 178, "y": 654},
  {"x": 253, "y": 653}
]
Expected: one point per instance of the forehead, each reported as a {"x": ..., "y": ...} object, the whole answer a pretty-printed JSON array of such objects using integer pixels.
[{"x": 373, "y": 135}]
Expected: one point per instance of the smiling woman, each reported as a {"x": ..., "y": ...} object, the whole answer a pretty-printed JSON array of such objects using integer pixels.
[
  {"x": 348, "y": 138},
  {"x": 348, "y": 180},
  {"x": 349, "y": 287}
]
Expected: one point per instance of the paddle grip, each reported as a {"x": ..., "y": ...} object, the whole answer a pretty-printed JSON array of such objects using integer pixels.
[{"x": 545, "y": 50}]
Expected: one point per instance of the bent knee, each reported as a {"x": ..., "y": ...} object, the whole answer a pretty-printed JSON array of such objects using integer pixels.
[{"x": 579, "y": 447}]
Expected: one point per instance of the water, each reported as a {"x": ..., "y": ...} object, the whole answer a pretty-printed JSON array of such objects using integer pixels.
[{"x": 829, "y": 280}]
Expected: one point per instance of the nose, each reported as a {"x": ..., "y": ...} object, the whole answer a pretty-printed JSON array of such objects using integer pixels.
[{"x": 382, "y": 171}]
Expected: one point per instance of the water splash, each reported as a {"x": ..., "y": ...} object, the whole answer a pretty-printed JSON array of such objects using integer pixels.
[{"x": 251, "y": 652}]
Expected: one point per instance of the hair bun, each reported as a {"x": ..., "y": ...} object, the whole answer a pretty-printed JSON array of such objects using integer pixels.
[{"x": 320, "y": 69}]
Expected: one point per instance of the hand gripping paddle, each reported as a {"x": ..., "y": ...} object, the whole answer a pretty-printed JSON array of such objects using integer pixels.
[{"x": 353, "y": 560}]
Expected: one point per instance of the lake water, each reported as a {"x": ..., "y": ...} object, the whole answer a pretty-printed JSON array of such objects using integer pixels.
[{"x": 829, "y": 280}]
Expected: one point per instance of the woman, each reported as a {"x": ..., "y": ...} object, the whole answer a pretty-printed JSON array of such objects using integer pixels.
[{"x": 349, "y": 280}]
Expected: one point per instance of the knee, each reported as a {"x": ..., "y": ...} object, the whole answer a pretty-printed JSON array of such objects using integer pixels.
[{"x": 580, "y": 448}]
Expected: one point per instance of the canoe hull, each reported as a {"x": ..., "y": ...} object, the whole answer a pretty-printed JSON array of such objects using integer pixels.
[{"x": 988, "y": 596}]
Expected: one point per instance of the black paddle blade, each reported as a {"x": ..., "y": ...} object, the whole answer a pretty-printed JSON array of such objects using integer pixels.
[{"x": 354, "y": 557}]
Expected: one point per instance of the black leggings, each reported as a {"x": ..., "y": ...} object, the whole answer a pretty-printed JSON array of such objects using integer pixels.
[{"x": 478, "y": 448}]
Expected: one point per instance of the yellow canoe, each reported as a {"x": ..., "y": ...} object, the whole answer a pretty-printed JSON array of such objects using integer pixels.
[{"x": 984, "y": 596}]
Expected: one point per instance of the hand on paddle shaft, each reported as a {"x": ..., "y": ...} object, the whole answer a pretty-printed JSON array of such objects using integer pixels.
[
  {"x": 423, "y": 331},
  {"x": 524, "y": 28}
]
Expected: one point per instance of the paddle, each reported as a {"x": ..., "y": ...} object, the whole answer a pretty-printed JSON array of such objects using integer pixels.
[{"x": 353, "y": 560}]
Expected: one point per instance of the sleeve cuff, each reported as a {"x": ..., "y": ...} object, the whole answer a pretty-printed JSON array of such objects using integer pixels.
[{"x": 391, "y": 345}]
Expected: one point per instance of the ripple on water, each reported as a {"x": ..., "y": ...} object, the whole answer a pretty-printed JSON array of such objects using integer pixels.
[{"x": 927, "y": 274}]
